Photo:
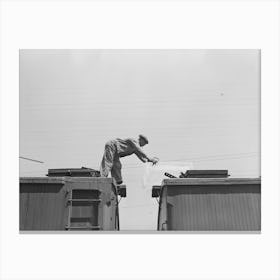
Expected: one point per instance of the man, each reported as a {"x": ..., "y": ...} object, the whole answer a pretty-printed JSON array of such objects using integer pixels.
[{"x": 117, "y": 148}]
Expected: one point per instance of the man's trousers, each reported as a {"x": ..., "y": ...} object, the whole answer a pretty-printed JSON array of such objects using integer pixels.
[{"x": 111, "y": 163}]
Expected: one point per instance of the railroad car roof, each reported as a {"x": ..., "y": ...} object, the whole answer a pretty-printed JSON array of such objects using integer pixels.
[{"x": 210, "y": 181}]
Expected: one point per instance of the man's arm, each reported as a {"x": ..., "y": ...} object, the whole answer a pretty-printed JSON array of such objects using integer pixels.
[{"x": 141, "y": 155}]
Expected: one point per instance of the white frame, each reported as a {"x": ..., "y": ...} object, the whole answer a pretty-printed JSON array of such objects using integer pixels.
[{"x": 123, "y": 24}]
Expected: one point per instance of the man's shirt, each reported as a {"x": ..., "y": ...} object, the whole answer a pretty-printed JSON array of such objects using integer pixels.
[{"x": 126, "y": 147}]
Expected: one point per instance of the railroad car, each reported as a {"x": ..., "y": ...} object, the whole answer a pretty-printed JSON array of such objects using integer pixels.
[
  {"x": 209, "y": 203},
  {"x": 69, "y": 203}
]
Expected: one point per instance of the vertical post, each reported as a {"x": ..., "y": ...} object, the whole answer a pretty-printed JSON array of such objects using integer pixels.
[
  {"x": 100, "y": 221},
  {"x": 69, "y": 204}
]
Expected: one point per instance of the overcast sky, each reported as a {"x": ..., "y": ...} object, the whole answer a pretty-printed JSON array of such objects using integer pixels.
[{"x": 195, "y": 106}]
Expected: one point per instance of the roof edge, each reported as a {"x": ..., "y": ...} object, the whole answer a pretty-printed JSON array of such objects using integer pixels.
[{"x": 210, "y": 181}]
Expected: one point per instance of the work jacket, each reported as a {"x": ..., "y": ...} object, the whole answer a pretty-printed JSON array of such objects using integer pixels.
[{"x": 126, "y": 147}]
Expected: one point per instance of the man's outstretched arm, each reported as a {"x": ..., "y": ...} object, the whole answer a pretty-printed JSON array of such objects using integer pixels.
[
  {"x": 145, "y": 158},
  {"x": 142, "y": 156}
]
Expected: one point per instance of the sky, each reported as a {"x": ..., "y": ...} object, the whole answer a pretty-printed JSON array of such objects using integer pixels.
[{"x": 200, "y": 109}]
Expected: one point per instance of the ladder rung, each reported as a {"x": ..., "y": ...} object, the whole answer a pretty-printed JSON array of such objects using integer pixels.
[
  {"x": 84, "y": 200},
  {"x": 82, "y": 227}
]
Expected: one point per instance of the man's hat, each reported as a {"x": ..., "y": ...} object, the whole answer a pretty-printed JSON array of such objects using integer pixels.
[{"x": 141, "y": 136}]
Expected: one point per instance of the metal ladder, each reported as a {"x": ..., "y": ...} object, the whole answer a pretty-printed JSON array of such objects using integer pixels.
[{"x": 70, "y": 210}]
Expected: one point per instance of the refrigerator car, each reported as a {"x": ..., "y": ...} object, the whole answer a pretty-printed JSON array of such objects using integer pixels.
[
  {"x": 63, "y": 201},
  {"x": 200, "y": 202}
]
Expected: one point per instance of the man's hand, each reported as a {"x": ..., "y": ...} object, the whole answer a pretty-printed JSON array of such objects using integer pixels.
[{"x": 154, "y": 160}]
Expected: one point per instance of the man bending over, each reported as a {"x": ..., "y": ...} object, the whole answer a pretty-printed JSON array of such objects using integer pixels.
[{"x": 117, "y": 148}]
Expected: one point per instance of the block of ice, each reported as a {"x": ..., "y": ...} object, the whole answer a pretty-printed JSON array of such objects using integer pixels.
[{"x": 154, "y": 174}]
